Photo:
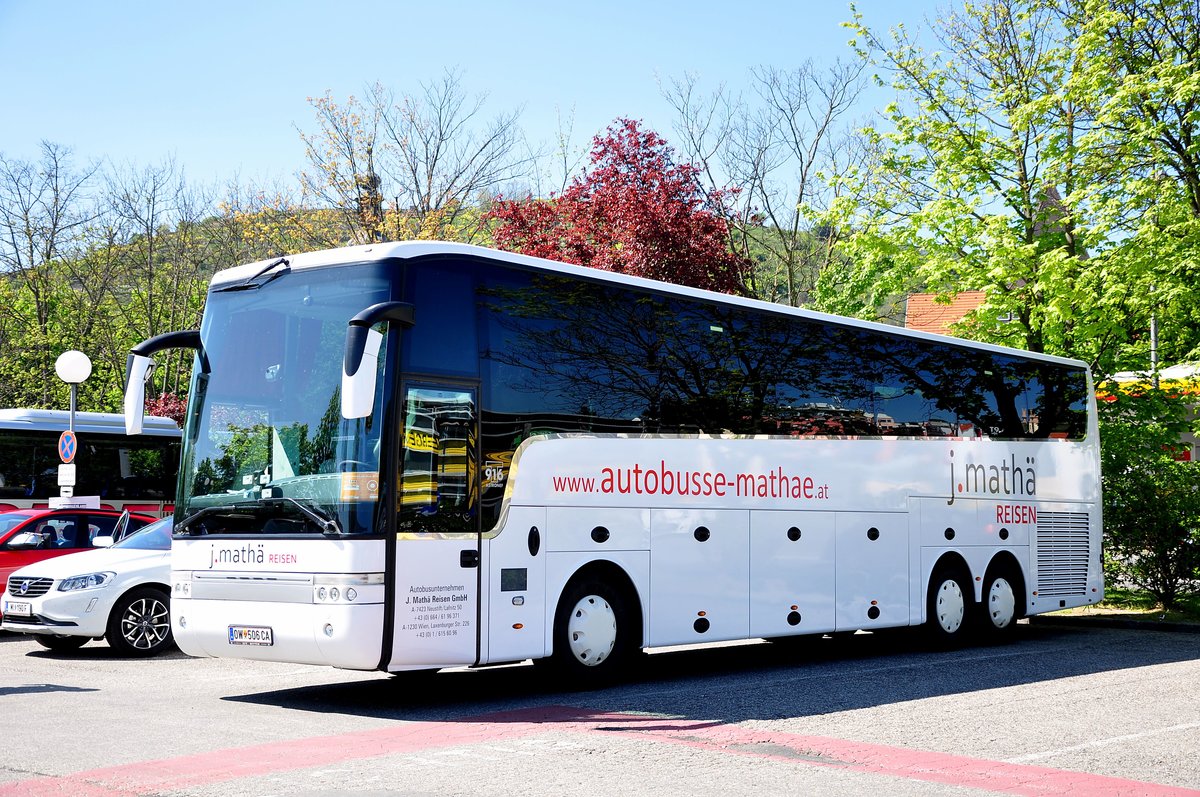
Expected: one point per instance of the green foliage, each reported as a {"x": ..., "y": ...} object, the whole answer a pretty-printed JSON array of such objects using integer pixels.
[
  {"x": 1141, "y": 604},
  {"x": 1151, "y": 499},
  {"x": 1045, "y": 155}
]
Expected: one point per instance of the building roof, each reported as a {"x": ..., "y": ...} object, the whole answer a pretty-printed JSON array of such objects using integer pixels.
[{"x": 925, "y": 313}]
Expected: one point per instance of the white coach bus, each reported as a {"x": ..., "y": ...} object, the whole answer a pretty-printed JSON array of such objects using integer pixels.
[{"x": 423, "y": 455}]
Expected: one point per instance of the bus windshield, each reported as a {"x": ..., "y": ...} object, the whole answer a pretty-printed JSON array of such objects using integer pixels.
[{"x": 267, "y": 450}]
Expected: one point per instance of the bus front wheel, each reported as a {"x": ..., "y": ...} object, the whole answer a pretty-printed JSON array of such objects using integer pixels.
[
  {"x": 949, "y": 605},
  {"x": 593, "y": 633}
]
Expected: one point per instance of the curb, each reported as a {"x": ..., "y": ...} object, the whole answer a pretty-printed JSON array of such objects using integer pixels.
[{"x": 1115, "y": 622}]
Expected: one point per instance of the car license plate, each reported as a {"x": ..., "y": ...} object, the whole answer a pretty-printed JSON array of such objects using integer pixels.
[
  {"x": 18, "y": 608},
  {"x": 250, "y": 635}
]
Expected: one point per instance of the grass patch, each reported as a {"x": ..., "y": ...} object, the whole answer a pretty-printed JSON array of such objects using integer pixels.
[{"x": 1138, "y": 605}]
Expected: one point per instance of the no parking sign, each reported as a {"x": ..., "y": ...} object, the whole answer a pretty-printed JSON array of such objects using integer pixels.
[{"x": 67, "y": 445}]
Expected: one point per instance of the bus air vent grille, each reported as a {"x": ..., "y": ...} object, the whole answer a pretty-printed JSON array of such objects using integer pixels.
[{"x": 1063, "y": 552}]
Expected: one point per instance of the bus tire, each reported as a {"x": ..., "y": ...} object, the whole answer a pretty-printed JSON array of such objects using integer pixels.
[
  {"x": 948, "y": 608},
  {"x": 140, "y": 623},
  {"x": 593, "y": 634},
  {"x": 60, "y": 644},
  {"x": 998, "y": 609}
]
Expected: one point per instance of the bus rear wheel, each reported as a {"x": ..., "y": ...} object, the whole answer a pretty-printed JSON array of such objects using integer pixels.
[
  {"x": 999, "y": 607},
  {"x": 949, "y": 606},
  {"x": 593, "y": 634}
]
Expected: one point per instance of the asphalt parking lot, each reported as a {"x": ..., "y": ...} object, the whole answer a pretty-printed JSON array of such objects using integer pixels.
[{"x": 1064, "y": 710}]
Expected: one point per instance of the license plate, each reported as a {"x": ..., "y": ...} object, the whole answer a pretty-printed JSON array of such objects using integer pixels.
[
  {"x": 250, "y": 635},
  {"x": 18, "y": 608}
]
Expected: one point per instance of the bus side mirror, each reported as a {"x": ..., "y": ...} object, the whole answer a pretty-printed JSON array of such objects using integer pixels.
[
  {"x": 139, "y": 366},
  {"x": 138, "y": 371},
  {"x": 358, "y": 387},
  {"x": 361, "y": 360}
]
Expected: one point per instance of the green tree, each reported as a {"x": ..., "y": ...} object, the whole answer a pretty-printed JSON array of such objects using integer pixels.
[
  {"x": 1141, "y": 76},
  {"x": 1000, "y": 172},
  {"x": 45, "y": 209}
]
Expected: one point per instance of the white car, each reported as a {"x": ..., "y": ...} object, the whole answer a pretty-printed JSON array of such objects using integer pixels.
[{"x": 119, "y": 593}]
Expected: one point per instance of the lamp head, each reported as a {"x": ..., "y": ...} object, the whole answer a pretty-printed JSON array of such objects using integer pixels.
[{"x": 73, "y": 367}]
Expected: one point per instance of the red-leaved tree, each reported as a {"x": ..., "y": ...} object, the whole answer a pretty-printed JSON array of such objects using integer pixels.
[
  {"x": 633, "y": 211},
  {"x": 167, "y": 405}
]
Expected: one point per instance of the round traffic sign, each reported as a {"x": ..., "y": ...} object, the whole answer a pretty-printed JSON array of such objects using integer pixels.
[{"x": 67, "y": 446}]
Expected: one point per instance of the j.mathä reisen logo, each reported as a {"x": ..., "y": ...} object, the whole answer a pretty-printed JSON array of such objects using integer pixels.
[{"x": 1004, "y": 479}]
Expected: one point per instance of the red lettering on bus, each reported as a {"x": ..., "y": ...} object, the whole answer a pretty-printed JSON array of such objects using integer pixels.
[{"x": 1016, "y": 514}]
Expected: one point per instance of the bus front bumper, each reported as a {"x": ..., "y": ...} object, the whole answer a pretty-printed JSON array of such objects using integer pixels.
[{"x": 343, "y": 636}]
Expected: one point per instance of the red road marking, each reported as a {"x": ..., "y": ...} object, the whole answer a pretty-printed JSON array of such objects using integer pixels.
[{"x": 223, "y": 765}]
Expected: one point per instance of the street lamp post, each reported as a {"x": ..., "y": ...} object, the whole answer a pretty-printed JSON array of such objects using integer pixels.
[{"x": 72, "y": 367}]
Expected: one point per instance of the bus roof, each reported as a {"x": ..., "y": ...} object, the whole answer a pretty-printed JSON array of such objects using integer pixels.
[
  {"x": 409, "y": 250},
  {"x": 85, "y": 422}
]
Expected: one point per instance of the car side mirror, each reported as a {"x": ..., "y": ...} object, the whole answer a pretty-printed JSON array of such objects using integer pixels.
[
  {"x": 25, "y": 540},
  {"x": 121, "y": 528},
  {"x": 102, "y": 542}
]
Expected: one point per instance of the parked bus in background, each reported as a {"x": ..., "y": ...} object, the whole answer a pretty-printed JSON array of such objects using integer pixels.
[
  {"x": 134, "y": 473},
  {"x": 422, "y": 455}
]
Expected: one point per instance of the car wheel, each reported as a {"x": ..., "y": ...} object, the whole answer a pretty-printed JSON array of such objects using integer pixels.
[
  {"x": 60, "y": 644},
  {"x": 140, "y": 623}
]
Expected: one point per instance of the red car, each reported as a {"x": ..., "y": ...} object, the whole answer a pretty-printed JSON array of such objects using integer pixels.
[{"x": 31, "y": 535}]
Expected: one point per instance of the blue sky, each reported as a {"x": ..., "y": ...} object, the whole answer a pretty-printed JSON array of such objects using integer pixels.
[{"x": 222, "y": 86}]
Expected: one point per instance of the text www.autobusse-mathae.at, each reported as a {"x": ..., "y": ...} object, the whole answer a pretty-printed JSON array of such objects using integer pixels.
[{"x": 663, "y": 480}]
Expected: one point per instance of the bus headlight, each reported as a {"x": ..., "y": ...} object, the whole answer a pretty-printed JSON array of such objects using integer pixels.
[{"x": 344, "y": 588}]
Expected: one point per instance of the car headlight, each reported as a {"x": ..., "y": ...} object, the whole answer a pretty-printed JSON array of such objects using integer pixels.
[{"x": 90, "y": 581}]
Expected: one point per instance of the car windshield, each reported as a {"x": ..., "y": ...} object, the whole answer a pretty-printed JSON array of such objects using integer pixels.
[
  {"x": 155, "y": 537},
  {"x": 10, "y": 522},
  {"x": 265, "y": 430}
]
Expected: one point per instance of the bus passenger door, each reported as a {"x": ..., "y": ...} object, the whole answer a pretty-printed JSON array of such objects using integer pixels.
[{"x": 437, "y": 566}]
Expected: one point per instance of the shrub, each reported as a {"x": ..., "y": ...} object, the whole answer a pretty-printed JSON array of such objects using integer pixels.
[{"x": 1151, "y": 498}]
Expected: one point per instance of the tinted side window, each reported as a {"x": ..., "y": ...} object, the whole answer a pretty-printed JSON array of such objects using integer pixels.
[
  {"x": 442, "y": 341},
  {"x": 98, "y": 526},
  {"x": 560, "y": 355}
]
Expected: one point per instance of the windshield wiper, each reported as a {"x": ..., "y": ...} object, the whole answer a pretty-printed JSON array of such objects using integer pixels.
[
  {"x": 182, "y": 526},
  {"x": 326, "y": 523},
  {"x": 249, "y": 282}
]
